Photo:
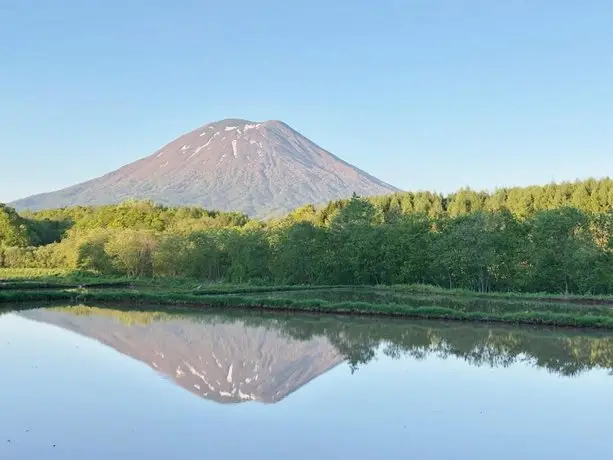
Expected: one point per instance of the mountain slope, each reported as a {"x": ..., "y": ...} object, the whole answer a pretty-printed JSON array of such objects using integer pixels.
[
  {"x": 231, "y": 165},
  {"x": 227, "y": 362}
]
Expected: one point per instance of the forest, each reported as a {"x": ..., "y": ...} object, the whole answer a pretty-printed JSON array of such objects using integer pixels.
[{"x": 556, "y": 238}]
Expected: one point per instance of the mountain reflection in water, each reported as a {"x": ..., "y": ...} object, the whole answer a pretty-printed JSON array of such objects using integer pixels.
[{"x": 236, "y": 357}]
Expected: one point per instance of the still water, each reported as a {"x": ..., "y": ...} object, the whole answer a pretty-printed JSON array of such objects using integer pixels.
[{"x": 88, "y": 383}]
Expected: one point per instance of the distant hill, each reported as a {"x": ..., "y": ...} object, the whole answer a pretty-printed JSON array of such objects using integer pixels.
[{"x": 261, "y": 169}]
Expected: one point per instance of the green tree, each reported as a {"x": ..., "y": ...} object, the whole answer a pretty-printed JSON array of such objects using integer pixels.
[
  {"x": 13, "y": 228},
  {"x": 405, "y": 250},
  {"x": 248, "y": 254},
  {"x": 562, "y": 251},
  {"x": 207, "y": 255},
  {"x": 171, "y": 256},
  {"x": 298, "y": 253},
  {"x": 352, "y": 255},
  {"x": 131, "y": 252},
  {"x": 92, "y": 255}
]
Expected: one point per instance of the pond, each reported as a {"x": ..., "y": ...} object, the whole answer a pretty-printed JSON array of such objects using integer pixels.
[{"x": 93, "y": 383}]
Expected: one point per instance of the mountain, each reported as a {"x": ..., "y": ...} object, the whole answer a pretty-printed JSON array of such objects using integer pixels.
[
  {"x": 260, "y": 169},
  {"x": 227, "y": 362}
]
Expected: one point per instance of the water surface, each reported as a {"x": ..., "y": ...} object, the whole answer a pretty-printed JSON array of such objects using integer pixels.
[{"x": 96, "y": 383}]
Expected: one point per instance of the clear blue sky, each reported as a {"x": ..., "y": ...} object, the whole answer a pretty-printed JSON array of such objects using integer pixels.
[{"x": 423, "y": 94}]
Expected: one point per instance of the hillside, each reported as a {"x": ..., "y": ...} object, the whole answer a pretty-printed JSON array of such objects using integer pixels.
[{"x": 261, "y": 169}]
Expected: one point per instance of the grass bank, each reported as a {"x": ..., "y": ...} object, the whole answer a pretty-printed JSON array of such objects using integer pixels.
[
  {"x": 408, "y": 301},
  {"x": 26, "y": 278},
  {"x": 395, "y": 301}
]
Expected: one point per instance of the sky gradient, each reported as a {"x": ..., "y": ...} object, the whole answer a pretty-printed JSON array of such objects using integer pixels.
[{"x": 422, "y": 94}]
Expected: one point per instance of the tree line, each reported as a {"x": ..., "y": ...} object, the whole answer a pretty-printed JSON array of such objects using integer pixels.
[{"x": 556, "y": 238}]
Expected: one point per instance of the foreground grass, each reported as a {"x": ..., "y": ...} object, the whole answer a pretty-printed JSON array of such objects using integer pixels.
[
  {"x": 28, "y": 278},
  {"x": 39, "y": 274},
  {"x": 410, "y": 301},
  {"x": 15, "y": 278},
  {"x": 339, "y": 300}
]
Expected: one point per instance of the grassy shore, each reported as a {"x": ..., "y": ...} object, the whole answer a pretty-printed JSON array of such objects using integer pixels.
[{"x": 396, "y": 301}]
